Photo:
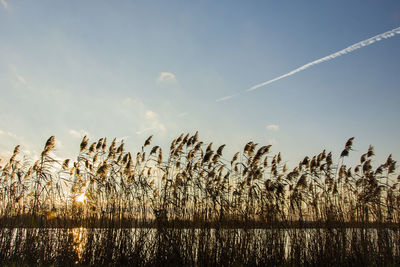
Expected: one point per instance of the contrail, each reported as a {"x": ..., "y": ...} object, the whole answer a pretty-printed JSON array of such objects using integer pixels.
[
  {"x": 345, "y": 51},
  {"x": 226, "y": 97}
]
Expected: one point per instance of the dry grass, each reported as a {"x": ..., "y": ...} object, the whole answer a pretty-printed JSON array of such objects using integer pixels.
[{"x": 195, "y": 201}]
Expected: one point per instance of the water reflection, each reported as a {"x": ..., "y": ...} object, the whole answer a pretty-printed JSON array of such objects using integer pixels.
[
  {"x": 286, "y": 240},
  {"x": 79, "y": 241},
  {"x": 139, "y": 246}
]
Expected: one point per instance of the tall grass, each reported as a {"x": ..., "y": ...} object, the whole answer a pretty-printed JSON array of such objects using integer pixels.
[
  {"x": 194, "y": 184},
  {"x": 197, "y": 201},
  {"x": 199, "y": 247}
]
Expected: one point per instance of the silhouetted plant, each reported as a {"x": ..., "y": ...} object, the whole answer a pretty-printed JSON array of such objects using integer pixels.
[{"x": 196, "y": 201}]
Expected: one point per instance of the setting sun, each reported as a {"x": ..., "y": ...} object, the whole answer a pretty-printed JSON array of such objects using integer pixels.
[{"x": 81, "y": 198}]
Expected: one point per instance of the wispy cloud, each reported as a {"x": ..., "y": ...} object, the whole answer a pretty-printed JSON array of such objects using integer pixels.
[
  {"x": 144, "y": 130},
  {"x": 13, "y": 135},
  {"x": 151, "y": 115},
  {"x": 20, "y": 79},
  {"x": 128, "y": 100},
  {"x": 7, "y": 133},
  {"x": 155, "y": 121},
  {"x": 166, "y": 77},
  {"x": 4, "y": 4},
  {"x": 273, "y": 127},
  {"x": 152, "y": 119},
  {"x": 342, "y": 52},
  {"x": 78, "y": 134}
]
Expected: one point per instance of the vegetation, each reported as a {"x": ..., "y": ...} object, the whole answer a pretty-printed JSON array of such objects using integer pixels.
[{"x": 191, "y": 206}]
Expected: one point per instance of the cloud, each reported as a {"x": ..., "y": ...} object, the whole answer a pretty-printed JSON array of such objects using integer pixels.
[
  {"x": 273, "y": 127},
  {"x": 166, "y": 77},
  {"x": 78, "y": 134},
  {"x": 20, "y": 79},
  {"x": 159, "y": 126},
  {"x": 4, "y": 4},
  {"x": 10, "y": 134},
  {"x": 151, "y": 115},
  {"x": 152, "y": 119},
  {"x": 13, "y": 135},
  {"x": 128, "y": 100},
  {"x": 144, "y": 130}
]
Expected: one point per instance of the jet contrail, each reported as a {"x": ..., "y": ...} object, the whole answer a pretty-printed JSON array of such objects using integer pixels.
[
  {"x": 226, "y": 97},
  {"x": 345, "y": 51}
]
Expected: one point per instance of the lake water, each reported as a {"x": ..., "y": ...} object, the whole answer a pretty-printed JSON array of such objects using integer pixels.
[{"x": 149, "y": 245}]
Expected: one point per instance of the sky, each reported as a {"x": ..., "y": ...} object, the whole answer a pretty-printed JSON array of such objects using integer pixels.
[{"x": 131, "y": 69}]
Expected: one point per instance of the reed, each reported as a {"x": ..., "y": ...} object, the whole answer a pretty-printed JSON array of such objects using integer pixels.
[{"x": 191, "y": 206}]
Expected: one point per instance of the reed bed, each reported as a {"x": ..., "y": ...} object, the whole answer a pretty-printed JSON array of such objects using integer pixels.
[
  {"x": 189, "y": 205},
  {"x": 199, "y": 247}
]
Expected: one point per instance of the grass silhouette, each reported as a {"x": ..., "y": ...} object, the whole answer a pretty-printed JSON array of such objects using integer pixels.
[{"x": 191, "y": 206}]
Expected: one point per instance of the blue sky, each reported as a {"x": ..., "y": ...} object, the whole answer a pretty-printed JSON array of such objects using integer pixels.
[{"x": 129, "y": 69}]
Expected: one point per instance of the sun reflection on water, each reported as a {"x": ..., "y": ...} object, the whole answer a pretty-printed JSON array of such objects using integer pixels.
[{"x": 79, "y": 238}]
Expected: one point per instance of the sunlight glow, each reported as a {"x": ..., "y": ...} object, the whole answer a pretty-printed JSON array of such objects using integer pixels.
[{"x": 81, "y": 198}]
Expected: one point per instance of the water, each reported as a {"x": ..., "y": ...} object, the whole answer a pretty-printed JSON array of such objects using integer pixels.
[{"x": 143, "y": 246}]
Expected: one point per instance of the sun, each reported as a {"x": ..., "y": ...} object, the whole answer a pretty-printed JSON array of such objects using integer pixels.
[{"x": 81, "y": 198}]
